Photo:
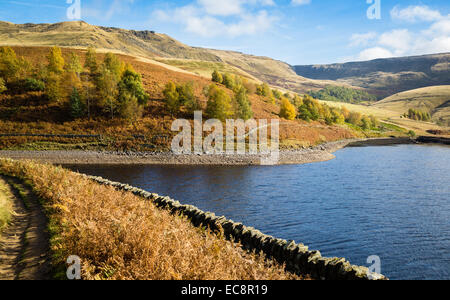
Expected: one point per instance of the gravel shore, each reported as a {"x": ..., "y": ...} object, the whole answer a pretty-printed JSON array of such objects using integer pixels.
[{"x": 302, "y": 156}]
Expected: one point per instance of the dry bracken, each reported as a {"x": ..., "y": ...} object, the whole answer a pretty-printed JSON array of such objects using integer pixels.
[{"x": 120, "y": 236}]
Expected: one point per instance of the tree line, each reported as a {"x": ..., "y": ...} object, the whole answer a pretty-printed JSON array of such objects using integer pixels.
[
  {"x": 108, "y": 88},
  {"x": 294, "y": 106},
  {"x": 220, "y": 105},
  {"x": 418, "y": 115},
  {"x": 342, "y": 94}
]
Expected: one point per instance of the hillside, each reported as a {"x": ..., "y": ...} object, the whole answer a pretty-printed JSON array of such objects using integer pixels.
[
  {"x": 434, "y": 99},
  {"x": 30, "y": 112},
  {"x": 149, "y": 44},
  {"x": 385, "y": 77}
]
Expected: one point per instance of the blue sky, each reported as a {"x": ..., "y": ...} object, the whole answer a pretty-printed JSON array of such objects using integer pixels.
[{"x": 295, "y": 31}]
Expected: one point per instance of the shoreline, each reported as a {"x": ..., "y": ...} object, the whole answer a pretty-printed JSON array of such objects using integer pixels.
[{"x": 319, "y": 153}]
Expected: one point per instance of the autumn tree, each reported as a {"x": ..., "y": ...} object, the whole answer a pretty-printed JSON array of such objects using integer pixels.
[
  {"x": 131, "y": 82},
  {"x": 76, "y": 105},
  {"x": 54, "y": 88},
  {"x": 74, "y": 65},
  {"x": 172, "y": 98},
  {"x": 228, "y": 81},
  {"x": 88, "y": 92},
  {"x": 354, "y": 118},
  {"x": 277, "y": 94},
  {"x": 91, "y": 61},
  {"x": 107, "y": 91},
  {"x": 55, "y": 61},
  {"x": 366, "y": 123},
  {"x": 249, "y": 86},
  {"x": 114, "y": 65},
  {"x": 338, "y": 117},
  {"x": 8, "y": 63},
  {"x": 12, "y": 68},
  {"x": 187, "y": 97},
  {"x": 297, "y": 100},
  {"x": 217, "y": 77},
  {"x": 219, "y": 104},
  {"x": 375, "y": 122},
  {"x": 2, "y": 85},
  {"x": 244, "y": 109},
  {"x": 287, "y": 109},
  {"x": 132, "y": 96},
  {"x": 107, "y": 83},
  {"x": 129, "y": 107}
]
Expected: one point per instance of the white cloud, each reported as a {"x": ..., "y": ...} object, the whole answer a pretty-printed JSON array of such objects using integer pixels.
[
  {"x": 406, "y": 42},
  {"x": 399, "y": 40},
  {"x": 415, "y": 14},
  {"x": 300, "y": 2},
  {"x": 374, "y": 53},
  {"x": 362, "y": 39},
  {"x": 221, "y": 8},
  {"x": 211, "y": 18}
]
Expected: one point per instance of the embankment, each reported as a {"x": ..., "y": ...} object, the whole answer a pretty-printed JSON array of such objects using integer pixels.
[
  {"x": 297, "y": 257},
  {"x": 302, "y": 156},
  {"x": 433, "y": 140}
]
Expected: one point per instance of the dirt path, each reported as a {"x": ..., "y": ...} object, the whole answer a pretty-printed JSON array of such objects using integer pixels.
[{"x": 24, "y": 243}]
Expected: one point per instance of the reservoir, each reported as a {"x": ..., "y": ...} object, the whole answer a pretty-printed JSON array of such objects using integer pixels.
[{"x": 390, "y": 201}]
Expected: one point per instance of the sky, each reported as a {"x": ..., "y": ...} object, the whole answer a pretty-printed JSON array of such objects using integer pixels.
[{"x": 295, "y": 31}]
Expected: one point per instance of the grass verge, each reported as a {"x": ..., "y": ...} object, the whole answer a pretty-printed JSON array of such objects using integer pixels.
[
  {"x": 6, "y": 205},
  {"x": 120, "y": 236}
]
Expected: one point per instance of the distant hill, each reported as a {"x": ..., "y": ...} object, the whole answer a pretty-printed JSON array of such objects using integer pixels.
[
  {"x": 385, "y": 77},
  {"x": 434, "y": 99},
  {"x": 158, "y": 46}
]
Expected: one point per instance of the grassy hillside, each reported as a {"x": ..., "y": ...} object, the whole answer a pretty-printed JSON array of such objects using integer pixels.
[
  {"x": 31, "y": 113},
  {"x": 149, "y": 44},
  {"x": 119, "y": 236},
  {"x": 435, "y": 100},
  {"x": 385, "y": 77}
]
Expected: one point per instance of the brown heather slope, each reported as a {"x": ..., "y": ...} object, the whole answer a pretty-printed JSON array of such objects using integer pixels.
[
  {"x": 119, "y": 236},
  {"x": 35, "y": 116},
  {"x": 153, "y": 45}
]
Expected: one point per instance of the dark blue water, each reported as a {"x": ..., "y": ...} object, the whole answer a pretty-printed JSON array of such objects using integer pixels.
[{"x": 393, "y": 202}]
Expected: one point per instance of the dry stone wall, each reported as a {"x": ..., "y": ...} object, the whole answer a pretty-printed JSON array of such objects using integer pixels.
[{"x": 297, "y": 257}]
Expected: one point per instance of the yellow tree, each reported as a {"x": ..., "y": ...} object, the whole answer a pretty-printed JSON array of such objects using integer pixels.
[
  {"x": 287, "y": 109},
  {"x": 55, "y": 61},
  {"x": 91, "y": 61},
  {"x": 12, "y": 68},
  {"x": 172, "y": 98},
  {"x": 219, "y": 104}
]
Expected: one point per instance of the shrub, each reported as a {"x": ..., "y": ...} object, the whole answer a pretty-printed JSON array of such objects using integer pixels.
[{"x": 34, "y": 85}]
